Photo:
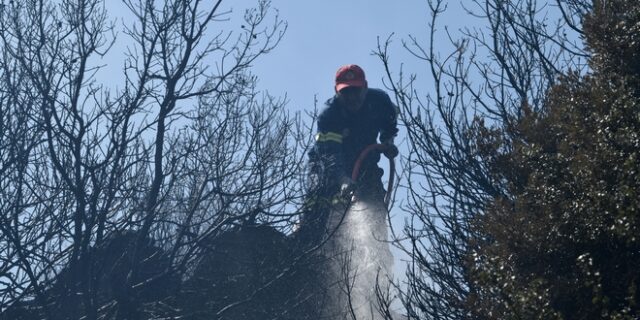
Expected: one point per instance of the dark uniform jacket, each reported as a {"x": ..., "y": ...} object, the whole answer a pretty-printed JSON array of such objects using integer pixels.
[{"x": 343, "y": 136}]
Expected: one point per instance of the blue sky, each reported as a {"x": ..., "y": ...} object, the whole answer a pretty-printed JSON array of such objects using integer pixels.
[{"x": 323, "y": 35}]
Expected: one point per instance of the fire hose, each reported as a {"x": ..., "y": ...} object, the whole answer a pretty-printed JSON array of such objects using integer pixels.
[{"x": 379, "y": 148}]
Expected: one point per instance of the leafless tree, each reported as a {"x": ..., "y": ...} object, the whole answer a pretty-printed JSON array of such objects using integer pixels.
[
  {"x": 185, "y": 148},
  {"x": 494, "y": 74}
]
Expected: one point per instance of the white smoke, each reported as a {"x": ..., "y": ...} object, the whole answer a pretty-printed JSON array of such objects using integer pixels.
[{"x": 361, "y": 262}]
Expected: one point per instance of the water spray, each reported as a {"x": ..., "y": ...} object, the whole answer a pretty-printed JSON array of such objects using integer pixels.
[{"x": 361, "y": 260}]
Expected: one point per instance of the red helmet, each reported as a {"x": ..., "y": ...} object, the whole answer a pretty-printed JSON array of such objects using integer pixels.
[{"x": 350, "y": 75}]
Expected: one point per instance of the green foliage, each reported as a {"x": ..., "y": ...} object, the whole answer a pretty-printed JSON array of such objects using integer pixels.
[
  {"x": 564, "y": 244},
  {"x": 612, "y": 32}
]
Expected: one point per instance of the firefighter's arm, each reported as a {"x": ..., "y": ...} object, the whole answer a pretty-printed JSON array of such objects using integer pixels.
[{"x": 329, "y": 147}]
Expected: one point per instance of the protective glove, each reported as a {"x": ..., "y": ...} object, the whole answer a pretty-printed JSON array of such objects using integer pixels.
[
  {"x": 347, "y": 185},
  {"x": 390, "y": 150}
]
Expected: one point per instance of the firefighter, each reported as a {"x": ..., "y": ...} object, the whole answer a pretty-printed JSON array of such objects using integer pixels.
[
  {"x": 351, "y": 120},
  {"x": 356, "y": 117}
]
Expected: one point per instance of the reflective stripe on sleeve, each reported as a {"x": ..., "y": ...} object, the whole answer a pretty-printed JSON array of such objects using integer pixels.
[{"x": 329, "y": 136}]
